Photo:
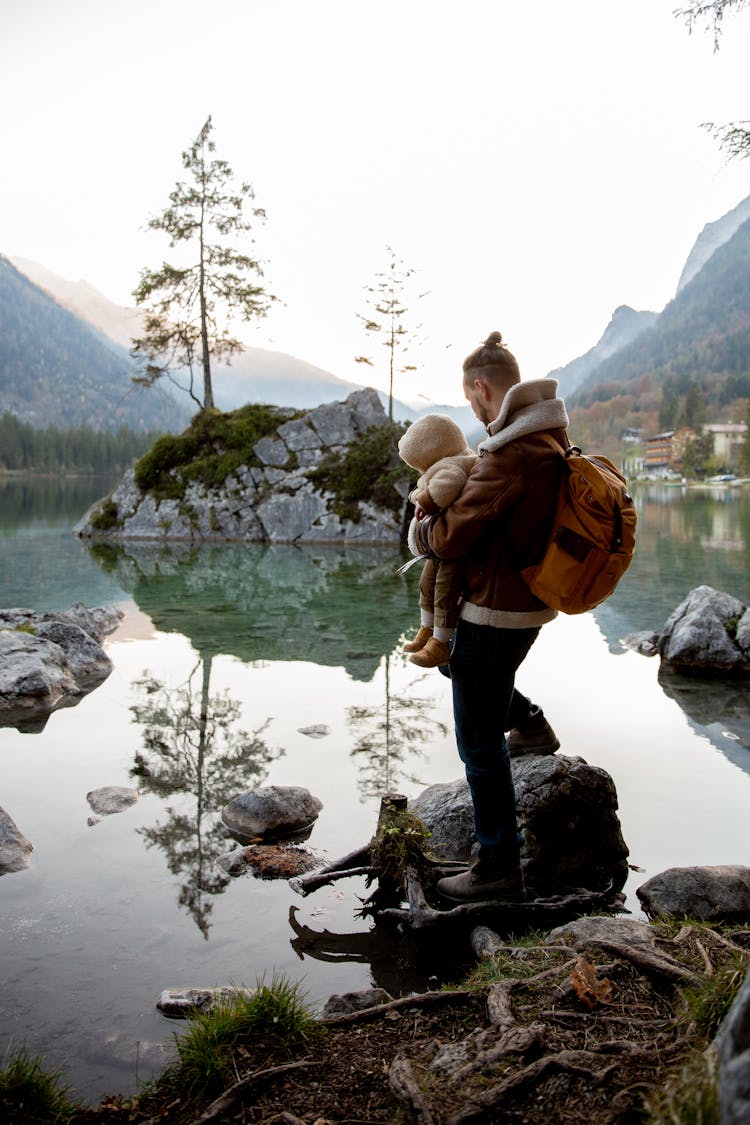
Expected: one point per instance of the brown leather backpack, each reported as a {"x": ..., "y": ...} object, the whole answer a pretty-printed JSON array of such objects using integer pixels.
[{"x": 592, "y": 539}]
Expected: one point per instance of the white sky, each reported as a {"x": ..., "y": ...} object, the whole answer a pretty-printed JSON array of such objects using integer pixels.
[{"x": 539, "y": 162}]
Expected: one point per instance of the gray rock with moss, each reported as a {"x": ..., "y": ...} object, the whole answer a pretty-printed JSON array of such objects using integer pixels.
[
  {"x": 50, "y": 660},
  {"x": 261, "y": 474},
  {"x": 708, "y": 634},
  {"x": 567, "y": 815},
  {"x": 14, "y": 847}
]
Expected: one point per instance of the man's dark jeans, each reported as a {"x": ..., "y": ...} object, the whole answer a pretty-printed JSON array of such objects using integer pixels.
[{"x": 484, "y": 662}]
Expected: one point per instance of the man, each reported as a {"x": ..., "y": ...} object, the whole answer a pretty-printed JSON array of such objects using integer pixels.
[{"x": 497, "y": 526}]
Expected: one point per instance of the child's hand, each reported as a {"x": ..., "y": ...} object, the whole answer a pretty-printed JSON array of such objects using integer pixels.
[{"x": 419, "y": 512}]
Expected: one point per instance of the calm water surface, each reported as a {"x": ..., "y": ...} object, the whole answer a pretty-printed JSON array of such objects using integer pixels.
[{"x": 277, "y": 640}]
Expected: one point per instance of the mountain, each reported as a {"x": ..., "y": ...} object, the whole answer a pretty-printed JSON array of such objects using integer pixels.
[
  {"x": 255, "y": 375},
  {"x": 57, "y": 370},
  {"x": 703, "y": 331},
  {"x": 624, "y": 327},
  {"x": 711, "y": 238}
]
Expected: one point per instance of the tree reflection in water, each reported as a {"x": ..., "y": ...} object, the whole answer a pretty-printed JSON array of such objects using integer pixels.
[
  {"x": 392, "y": 729},
  {"x": 193, "y": 747}
]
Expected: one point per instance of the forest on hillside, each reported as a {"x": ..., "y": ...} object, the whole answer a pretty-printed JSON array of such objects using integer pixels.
[{"x": 80, "y": 450}]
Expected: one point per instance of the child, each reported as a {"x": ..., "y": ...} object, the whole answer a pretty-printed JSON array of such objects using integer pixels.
[{"x": 436, "y": 447}]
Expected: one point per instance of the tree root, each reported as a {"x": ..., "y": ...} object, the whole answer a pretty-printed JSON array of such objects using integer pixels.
[
  {"x": 688, "y": 930},
  {"x": 573, "y": 1062},
  {"x": 421, "y": 1000},
  {"x": 499, "y": 1008},
  {"x": 405, "y": 1089},
  {"x": 579, "y": 1063},
  {"x": 235, "y": 1093},
  {"x": 650, "y": 962},
  {"x": 515, "y": 1041}
]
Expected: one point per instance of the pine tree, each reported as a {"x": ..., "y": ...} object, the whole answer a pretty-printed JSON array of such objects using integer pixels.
[
  {"x": 187, "y": 307},
  {"x": 387, "y": 298}
]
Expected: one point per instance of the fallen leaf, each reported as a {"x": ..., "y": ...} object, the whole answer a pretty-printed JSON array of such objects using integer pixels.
[{"x": 587, "y": 985}]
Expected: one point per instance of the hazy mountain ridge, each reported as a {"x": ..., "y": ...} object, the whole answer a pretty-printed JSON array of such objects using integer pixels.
[
  {"x": 684, "y": 338},
  {"x": 255, "y": 375},
  {"x": 55, "y": 369},
  {"x": 624, "y": 327},
  {"x": 711, "y": 238},
  {"x": 704, "y": 330}
]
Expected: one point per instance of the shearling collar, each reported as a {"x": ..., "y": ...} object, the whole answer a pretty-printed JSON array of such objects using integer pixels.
[{"x": 527, "y": 408}]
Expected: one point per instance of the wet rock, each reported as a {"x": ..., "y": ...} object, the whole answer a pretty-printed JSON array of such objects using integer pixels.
[
  {"x": 350, "y": 1002},
  {"x": 14, "y": 847},
  {"x": 34, "y": 675},
  {"x": 318, "y": 730},
  {"x": 86, "y": 660},
  {"x": 710, "y": 894},
  {"x": 48, "y": 660},
  {"x": 567, "y": 814},
  {"x": 645, "y": 642},
  {"x": 111, "y": 799},
  {"x": 180, "y": 1003},
  {"x": 274, "y": 810}
]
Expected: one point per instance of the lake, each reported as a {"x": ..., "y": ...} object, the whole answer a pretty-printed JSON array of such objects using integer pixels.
[{"x": 276, "y": 642}]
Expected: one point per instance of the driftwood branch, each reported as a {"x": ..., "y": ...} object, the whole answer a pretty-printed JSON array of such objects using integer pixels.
[
  {"x": 235, "y": 1093},
  {"x": 355, "y": 863}
]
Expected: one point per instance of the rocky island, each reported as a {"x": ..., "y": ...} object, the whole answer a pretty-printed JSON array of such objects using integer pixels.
[{"x": 265, "y": 474}]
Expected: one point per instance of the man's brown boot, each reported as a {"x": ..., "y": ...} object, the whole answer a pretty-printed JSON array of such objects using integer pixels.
[
  {"x": 421, "y": 639},
  {"x": 434, "y": 652},
  {"x": 484, "y": 882},
  {"x": 537, "y": 737}
]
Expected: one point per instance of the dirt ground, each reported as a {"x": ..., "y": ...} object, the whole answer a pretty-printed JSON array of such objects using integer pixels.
[{"x": 545, "y": 1033}]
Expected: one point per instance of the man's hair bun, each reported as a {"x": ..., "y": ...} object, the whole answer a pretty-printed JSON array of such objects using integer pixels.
[{"x": 494, "y": 338}]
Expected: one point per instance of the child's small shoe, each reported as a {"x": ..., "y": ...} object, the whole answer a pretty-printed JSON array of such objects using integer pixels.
[
  {"x": 433, "y": 653},
  {"x": 421, "y": 639}
]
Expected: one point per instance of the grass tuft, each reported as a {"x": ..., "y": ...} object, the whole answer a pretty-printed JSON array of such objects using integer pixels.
[
  {"x": 690, "y": 1097},
  {"x": 273, "y": 1017},
  {"x": 212, "y": 447},
  {"x": 706, "y": 1003},
  {"x": 524, "y": 958},
  {"x": 28, "y": 1093}
]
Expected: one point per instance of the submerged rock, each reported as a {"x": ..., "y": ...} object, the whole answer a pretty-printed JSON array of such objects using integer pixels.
[
  {"x": 111, "y": 799},
  {"x": 269, "y": 861},
  {"x": 180, "y": 1003}
]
